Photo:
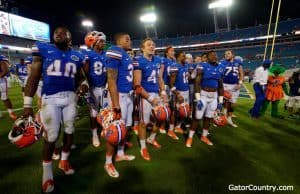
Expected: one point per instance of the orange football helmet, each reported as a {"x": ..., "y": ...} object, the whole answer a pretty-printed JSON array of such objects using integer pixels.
[
  {"x": 219, "y": 118},
  {"x": 227, "y": 95},
  {"x": 115, "y": 133},
  {"x": 162, "y": 113},
  {"x": 25, "y": 132},
  {"x": 184, "y": 110},
  {"x": 93, "y": 37}
]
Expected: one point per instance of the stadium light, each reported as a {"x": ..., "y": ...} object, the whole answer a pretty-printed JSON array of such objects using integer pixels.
[
  {"x": 220, "y": 4},
  {"x": 87, "y": 23},
  {"x": 148, "y": 18}
]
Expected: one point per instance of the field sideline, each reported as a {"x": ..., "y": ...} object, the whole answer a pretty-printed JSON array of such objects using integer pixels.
[{"x": 258, "y": 152}]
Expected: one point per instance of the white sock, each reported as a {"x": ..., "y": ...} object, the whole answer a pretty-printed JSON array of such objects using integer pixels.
[
  {"x": 143, "y": 144},
  {"x": 136, "y": 123},
  {"x": 229, "y": 119},
  {"x": 225, "y": 111},
  {"x": 171, "y": 128},
  {"x": 47, "y": 171},
  {"x": 204, "y": 132},
  {"x": 178, "y": 125},
  {"x": 191, "y": 133},
  {"x": 108, "y": 159},
  {"x": 120, "y": 150},
  {"x": 94, "y": 132},
  {"x": 9, "y": 110},
  {"x": 152, "y": 136},
  {"x": 65, "y": 155}
]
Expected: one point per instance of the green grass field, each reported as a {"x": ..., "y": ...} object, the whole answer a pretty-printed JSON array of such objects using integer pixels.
[{"x": 258, "y": 152}]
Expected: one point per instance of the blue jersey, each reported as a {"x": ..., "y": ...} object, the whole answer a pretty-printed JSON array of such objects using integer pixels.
[
  {"x": 211, "y": 74},
  {"x": 28, "y": 60},
  {"x": 97, "y": 71},
  {"x": 118, "y": 59},
  {"x": 191, "y": 68},
  {"x": 167, "y": 69},
  {"x": 21, "y": 70},
  {"x": 150, "y": 72},
  {"x": 231, "y": 75},
  {"x": 3, "y": 58},
  {"x": 182, "y": 78},
  {"x": 58, "y": 67}
]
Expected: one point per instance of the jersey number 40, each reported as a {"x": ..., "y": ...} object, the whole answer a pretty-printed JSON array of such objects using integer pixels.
[{"x": 54, "y": 69}]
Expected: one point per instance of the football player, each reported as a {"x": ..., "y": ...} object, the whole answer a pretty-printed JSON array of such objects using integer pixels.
[
  {"x": 148, "y": 83},
  {"x": 59, "y": 65},
  {"x": 180, "y": 90},
  {"x": 191, "y": 68},
  {"x": 119, "y": 78},
  {"x": 3, "y": 86},
  {"x": 169, "y": 61},
  {"x": 208, "y": 96},
  {"x": 233, "y": 80},
  {"x": 21, "y": 72},
  {"x": 96, "y": 72}
]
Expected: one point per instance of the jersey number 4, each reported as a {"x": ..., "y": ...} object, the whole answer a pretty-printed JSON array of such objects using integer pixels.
[{"x": 54, "y": 69}]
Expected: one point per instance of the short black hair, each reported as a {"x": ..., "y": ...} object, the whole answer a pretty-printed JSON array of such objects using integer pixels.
[
  {"x": 211, "y": 51},
  {"x": 119, "y": 35},
  {"x": 204, "y": 53},
  {"x": 177, "y": 54},
  {"x": 167, "y": 49}
]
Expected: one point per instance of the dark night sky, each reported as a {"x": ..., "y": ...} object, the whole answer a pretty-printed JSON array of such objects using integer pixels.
[{"x": 175, "y": 17}]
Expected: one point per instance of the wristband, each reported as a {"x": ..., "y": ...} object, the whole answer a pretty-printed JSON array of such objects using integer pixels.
[
  {"x": 197, "y": 96},
  {"x": 150, "y": 98},
  {"x": 221, "y": 99},
  {"x": 240, "y": 81},
  {"x": 27, "y": 102},
  {"x": 85, "y": 82},
  {"x": 164, "y": 93},
  {"x": 173, "y": 88}
]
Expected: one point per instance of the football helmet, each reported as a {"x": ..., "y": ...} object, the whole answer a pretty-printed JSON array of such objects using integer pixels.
[
  {"x": 93, "y": 37},
  {"x": 219, "y": 118},
  {"x": 227, "y": 95},
  {"x": 105, "y": 117},
  {"x": 184, "y": 110},
  {"x": 25, "y": 132},
  {"x": 162, "y": 113},
  {"x": 115, "y": 133}
]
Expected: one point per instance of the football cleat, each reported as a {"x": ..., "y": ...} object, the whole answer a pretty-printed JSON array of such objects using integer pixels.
[
  {"x": 172, "y": 135},
  {"x": 13, "y": 116},
  {"x": 135, "y": 129},
  {"x": 154, "y": 143},
  {"x": 111, "y": 170},
  {"x": 66, "y": 167},
  {"x": 48, "y": 186},
  {"x": 145, "y": 154},
  {"x": 178, "y": 130},
  {"x": 95, "y": 141},
  {"x": 229, "y": 122},
  {"x": 206, "y": 140},
  {"x": 124, "y": 157},
  {"x": 162, "y": 131},
  {"x": 25, "y": 132},
  {"x": 189, "y": 142}
]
